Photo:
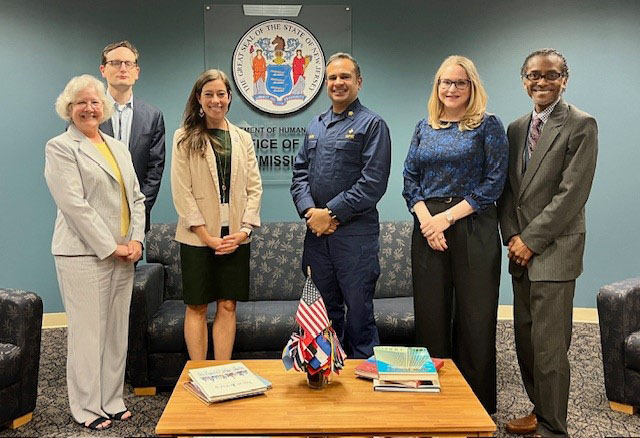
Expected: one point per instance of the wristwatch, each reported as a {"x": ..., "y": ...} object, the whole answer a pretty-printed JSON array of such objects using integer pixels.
[
  {"x": 332, "y": 214},
  {"x": 449, "y": 217}
]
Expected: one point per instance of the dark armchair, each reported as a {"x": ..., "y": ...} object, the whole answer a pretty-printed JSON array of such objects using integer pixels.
[
  {"x": 20, "y": 335},
  {"x": 619, "y": 314}
]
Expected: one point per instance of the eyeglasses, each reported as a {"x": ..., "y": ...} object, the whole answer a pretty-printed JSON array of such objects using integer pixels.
[
  {"x": 460, "y": 84},
  {"x": 549, "y": 76},
  {"x": 117, "y": 63},
  {"x": 86, "y": 103}
]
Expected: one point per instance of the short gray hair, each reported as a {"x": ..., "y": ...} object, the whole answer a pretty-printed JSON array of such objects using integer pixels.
[
  {"x": 71, "y": 90},
  {"x": 343, "y": 55}
]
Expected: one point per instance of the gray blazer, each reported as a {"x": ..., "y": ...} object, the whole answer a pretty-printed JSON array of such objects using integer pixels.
[
  {"x": 87, "y": 194},
  {"x": 545, "y": 204}
]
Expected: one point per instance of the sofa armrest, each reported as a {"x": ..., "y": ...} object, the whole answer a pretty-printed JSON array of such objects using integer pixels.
[
  {"x": 21, "y": 325},
  {"x": 148, "y": 291},
  {"x": 619, "y": 315}
]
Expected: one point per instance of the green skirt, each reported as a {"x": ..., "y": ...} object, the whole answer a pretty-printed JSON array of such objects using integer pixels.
[{"x": 207, "y": 277}]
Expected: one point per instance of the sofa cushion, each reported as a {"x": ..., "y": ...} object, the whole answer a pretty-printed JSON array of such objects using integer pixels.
[
  {"x": 632, "y": 351},
  {"x": 166, "y": 328},
  {"x": 395, "y": 260},
  {"x": 261, "y": 326},
  {"x": 395, "y": 320},
  {"x": 276, "y": 268},
  {"x": 10, "y": 368}
]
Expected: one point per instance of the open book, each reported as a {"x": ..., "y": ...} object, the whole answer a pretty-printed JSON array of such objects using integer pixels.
[
  {"x": 404, "y": 363},
  {"x": 369, "y": 370}
]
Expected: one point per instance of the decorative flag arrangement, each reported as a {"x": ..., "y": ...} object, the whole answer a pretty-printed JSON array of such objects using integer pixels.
[{"x": 316, "y": 348}]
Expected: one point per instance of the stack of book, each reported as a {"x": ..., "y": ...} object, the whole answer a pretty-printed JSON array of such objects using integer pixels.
[
  {"x": 225, "y": 382},
  {"x": 405, "y": 369}
]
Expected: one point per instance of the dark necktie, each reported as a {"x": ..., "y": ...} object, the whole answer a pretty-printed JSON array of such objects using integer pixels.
[
  {"x": 534, "y": 135},
  {"x": 120, "y": 122}
]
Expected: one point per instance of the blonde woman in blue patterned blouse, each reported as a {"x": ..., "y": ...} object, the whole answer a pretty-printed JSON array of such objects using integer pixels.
[{"x": 454, "y": 172}]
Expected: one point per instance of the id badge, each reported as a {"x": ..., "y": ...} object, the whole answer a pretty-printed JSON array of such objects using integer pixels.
[{"x": 224, "y": 214}]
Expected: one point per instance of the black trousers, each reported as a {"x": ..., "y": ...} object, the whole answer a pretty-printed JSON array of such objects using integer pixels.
[{"x": 455, "y": 295}]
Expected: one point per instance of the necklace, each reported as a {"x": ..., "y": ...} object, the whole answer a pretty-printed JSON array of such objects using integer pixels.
[{"x": 225, "y": 140}]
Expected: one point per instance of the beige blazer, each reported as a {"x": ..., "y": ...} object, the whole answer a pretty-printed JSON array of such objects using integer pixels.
[
  {"x": 87, "y": 194},
  {"x": 196, "y": 192},
  {"x": 545, "y": 204}
]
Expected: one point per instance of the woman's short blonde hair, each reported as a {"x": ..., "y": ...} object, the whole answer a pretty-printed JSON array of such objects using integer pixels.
[
  {"x": 476, "y": 106},
  {"x": 75, "y": 86}
]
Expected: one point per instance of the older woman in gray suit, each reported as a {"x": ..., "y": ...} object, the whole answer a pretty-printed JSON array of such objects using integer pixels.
[{"x": 97, "y": 238}]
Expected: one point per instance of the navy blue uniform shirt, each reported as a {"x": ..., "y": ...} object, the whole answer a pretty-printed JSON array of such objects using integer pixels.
[{"x": 344, "y": 165}]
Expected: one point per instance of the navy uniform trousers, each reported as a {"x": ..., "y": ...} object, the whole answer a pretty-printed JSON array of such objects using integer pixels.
[
  {"x": 455, "y": 295},
  {"x": 345, "y": 270}
]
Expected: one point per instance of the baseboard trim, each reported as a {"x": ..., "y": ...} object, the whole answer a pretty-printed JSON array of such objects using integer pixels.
[
  {"x": 54, "y": 320},
  {"x": 580, "y": 314}
]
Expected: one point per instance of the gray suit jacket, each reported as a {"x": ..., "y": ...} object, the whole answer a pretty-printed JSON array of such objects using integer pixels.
[
  {"x": 147, "y": 148},
  {"x": 545, "y": 204},
  {"x": 88, "y": 197}
]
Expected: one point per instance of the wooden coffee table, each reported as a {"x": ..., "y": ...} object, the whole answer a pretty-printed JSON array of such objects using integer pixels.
[{"x": 348, "y": 406}]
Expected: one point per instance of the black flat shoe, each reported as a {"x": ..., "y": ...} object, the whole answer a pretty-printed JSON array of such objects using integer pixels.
[
  {"x": 97, "y": 424},
  {"x": 119, "y": 416}
]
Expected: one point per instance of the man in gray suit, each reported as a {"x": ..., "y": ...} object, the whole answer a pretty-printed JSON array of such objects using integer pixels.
[
  {"x": 135, "y": 123},
  {"x": 551, "y": 166}
]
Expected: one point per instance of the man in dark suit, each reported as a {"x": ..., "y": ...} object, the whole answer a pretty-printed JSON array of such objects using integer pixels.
[
  {"x": 551, "y": 167},
  {"x": 135, "y": 123}
]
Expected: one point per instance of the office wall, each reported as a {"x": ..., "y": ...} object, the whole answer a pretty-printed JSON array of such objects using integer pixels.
[{"x": 399, "y": 46}]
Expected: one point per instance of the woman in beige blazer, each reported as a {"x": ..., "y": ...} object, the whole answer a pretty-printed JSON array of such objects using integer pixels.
[
  {"x": 96, "y": 241},
  {"x": 216, "y": 189}
]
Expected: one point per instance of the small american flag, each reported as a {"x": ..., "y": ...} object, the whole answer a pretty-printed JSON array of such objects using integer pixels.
[{"x": 312, "y": 314}]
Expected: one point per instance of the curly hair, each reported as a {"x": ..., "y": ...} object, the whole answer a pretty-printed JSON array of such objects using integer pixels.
[{"x": 71, "y": 90}]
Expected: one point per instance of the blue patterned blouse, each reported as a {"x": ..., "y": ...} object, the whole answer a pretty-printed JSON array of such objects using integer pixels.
[{"x": 449, "y": 162}]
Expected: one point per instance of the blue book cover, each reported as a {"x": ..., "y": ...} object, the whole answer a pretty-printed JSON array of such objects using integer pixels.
[{"x": 404, "y": 363}]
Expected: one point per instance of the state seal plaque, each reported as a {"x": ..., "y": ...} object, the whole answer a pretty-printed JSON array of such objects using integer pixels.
[{"x": 278, "y": 66}]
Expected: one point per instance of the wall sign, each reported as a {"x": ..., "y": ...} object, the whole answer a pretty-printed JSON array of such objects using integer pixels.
[{"x": 278, "y": 66}]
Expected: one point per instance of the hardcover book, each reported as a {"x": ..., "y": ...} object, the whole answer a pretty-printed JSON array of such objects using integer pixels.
[
  {"x": 224, "y": 382},
  {"x": 390, "y": 386},
  {"x": 404, "y": 363}
]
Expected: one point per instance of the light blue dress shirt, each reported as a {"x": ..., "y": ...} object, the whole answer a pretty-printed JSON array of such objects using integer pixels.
[{"x": 121, "y": 119}]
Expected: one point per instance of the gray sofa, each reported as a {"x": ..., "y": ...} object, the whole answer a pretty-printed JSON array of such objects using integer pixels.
[{"x": 157, "y": 351}]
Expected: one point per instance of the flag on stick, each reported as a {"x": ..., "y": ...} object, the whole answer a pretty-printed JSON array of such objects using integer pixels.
[
  {"x": 316, "y": 349},
  {"x": 312, "y": 314}
]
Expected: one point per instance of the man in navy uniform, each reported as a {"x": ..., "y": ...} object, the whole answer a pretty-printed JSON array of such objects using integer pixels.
[
  {"x": 339, "y": 175},
  {"x": 135, "y": 123}
]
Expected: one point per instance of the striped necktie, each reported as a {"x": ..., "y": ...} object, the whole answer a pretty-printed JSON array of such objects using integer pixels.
[{"x": 534, "y": 135}]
